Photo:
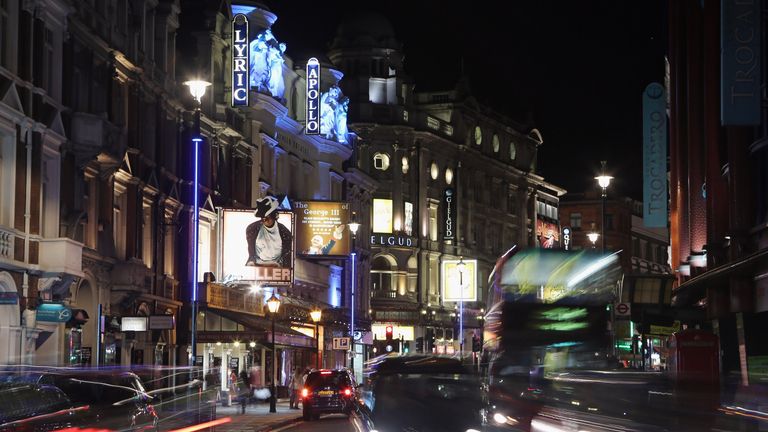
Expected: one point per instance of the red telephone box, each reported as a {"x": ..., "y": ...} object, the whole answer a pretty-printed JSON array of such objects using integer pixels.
[{"x": 694, "y": 356}]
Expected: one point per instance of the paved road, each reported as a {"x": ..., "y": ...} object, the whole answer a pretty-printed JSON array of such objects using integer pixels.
[{"x": 327, "y": 423}]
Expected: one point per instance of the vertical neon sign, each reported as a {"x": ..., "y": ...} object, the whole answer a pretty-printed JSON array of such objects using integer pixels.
[
  {"x": 240, "y": 61},
  {"x": 313, "y": 97}
]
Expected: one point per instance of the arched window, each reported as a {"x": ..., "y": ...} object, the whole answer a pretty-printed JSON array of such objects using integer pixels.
[
  {"x": 413, "y": 274},
  {"x": 383, "y": 268}
]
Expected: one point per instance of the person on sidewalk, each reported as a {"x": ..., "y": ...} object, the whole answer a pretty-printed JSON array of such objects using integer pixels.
[{"x": 296, "y": 385}]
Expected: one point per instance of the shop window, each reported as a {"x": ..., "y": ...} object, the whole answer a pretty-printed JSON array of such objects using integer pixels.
[{"x": 576, "y": 221}]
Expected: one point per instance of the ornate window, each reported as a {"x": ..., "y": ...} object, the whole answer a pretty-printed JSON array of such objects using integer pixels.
[
  {"x": 448, "y": 176},
  {"x": 512, "y": 150},
  {"x": 496, "y": 143},
  {"x": 405, "y": 164},
  {"x": 434, "y": 171}
]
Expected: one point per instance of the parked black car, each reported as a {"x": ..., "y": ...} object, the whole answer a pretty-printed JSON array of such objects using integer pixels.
[
  {"x": 328, "y": 391},
  {"x": 32, "y": 407},
  {"x": 114, "y": 399}
]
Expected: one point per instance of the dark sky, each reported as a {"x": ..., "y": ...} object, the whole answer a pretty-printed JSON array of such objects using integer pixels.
[{"x": 578, "y": 68}]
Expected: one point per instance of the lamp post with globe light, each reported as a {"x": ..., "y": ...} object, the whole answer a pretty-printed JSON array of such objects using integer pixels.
[
  {"x": 353, "y": 227},
  {"x": 603, "y": 181},
  {"x": 197, "y": 90},
  {"x": 273, "y": 304},
  {"x": 461, "y": 266}
]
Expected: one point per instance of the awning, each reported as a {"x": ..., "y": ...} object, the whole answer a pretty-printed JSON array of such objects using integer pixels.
[
  {"x": 257, "y": 328},
  {"x": 695, "y": 289}
]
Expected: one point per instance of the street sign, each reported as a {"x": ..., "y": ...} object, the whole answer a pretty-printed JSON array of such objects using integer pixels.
[
  {"x": 622, "y": 309},
  {"x": 341, "y": 343},
  {"x": 53, "y": 312}
]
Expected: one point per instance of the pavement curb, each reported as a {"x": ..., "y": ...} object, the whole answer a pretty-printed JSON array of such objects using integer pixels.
[{"x": 278, "y": 424}]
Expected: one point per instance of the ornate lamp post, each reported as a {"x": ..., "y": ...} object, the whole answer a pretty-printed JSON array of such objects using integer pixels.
[
  {"x": 604, "y": 181},
  {"x": 273, "y": 304},
  {"x": 197, "y": 90},
  {"x": 461, "y": 267},
  {"x": 593, "y": 236},
  {"x": 353, "y": 227},
  {"x": 316, "y": 315}
]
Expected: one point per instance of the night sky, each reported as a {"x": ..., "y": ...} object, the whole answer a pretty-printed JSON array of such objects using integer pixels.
[{"x": 577, "y": 69}]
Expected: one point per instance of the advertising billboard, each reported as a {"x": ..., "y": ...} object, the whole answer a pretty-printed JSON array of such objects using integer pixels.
[
  {"x": 547, "y": 233},
  {"x": 253, "y": 251},
  {"x": 382, "y": 216},
  {"x": 456, "y": 285},
  {"x": 322, "y": 229}
]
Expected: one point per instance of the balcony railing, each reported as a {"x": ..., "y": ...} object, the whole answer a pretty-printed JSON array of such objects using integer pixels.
[{"x": 6, "y": 244}]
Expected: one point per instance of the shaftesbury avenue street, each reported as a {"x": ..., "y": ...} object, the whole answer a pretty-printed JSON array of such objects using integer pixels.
[{"x": 255, "y": 215}]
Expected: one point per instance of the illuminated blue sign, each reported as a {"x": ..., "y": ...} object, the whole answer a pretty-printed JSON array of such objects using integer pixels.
[
  {"x": 240, "y": 63},
  {"x": 53, "y": 312},
  {"x": 741, "y": 75},
  {"x": 313, "y": 97},
  {"x": 654, "y": 156}
]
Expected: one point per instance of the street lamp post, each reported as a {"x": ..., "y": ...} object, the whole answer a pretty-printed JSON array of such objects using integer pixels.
[
  {"x": 353, "y": 227},
  {"x": 461, "y": 267},
  {"x": 273, "y": 304},
  {"x": 316, "y": 315},
  {"x": 197, "y": 89},
  {"x": 593, "y": 236},
  {"x": 604, "y": 181}
]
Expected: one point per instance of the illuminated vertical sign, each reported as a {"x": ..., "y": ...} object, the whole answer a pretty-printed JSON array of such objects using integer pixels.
[
  {"x": 654, "y": 156},
  {"x": 741, "y": 73},
  {"x": 240, "y": 61},
  {"x": 566, "y": 238},
  {"x": 313, "y": 97},
  {"x": 449, "y": 202}
]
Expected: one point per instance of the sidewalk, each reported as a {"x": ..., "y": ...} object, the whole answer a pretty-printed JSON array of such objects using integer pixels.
[{"x": 257, "y": 417}]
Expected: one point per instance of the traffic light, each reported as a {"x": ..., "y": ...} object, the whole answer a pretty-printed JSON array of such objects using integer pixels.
[{"x": 388, "y": 331}]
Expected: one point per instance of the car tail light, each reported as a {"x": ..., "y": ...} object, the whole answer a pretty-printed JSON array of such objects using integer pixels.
[
  {"x": 305, "y": 392},
  {"x": 325, "y": 372},
  {"x": 347, "y": 392}
]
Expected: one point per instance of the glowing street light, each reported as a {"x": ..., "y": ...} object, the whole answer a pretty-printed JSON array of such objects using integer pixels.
[
  {"x": 273, "y": 304},
  {"x": 316, "y": 315},
  {"x": 603, "y": 180},
  {"x": 593, "y": 236}
]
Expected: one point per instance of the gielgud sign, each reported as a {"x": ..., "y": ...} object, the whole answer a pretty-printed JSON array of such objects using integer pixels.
[{"x": 258, "y": 244}]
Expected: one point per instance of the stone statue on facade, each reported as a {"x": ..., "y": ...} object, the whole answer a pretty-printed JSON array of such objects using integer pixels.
[
  {"x": 333, "y": 115},
  {"x": 266, "y": 64}
]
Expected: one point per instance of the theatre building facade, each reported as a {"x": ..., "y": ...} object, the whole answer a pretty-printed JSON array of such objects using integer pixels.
[
  {"x": 98, "y": 190},
  {"x": 456, "y": 181}
]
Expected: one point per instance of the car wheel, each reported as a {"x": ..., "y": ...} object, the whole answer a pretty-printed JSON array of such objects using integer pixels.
[{"x": 307, "y": 414}]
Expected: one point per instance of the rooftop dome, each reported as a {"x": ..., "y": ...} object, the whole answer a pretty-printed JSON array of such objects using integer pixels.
[{"x": 365, "y": 29}]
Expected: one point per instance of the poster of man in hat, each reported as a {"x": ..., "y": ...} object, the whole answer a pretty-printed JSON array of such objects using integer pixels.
[
  {"x": 258, "y": 244},
  {"x": 269, "y": 241}
]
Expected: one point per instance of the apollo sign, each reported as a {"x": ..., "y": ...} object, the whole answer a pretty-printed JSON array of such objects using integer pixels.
[
  {"x": 313, "y": 97},
  {"x": 240, "y": 63}
]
